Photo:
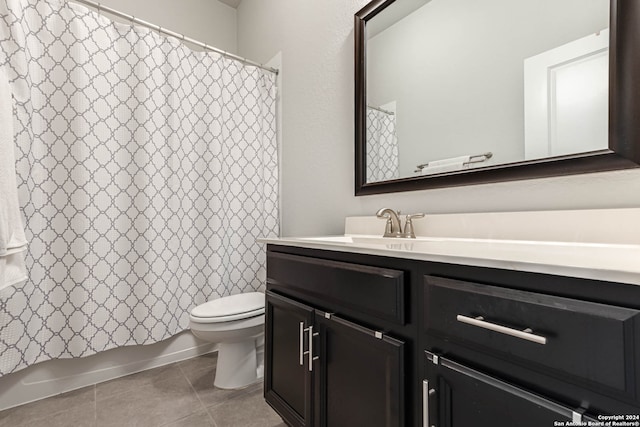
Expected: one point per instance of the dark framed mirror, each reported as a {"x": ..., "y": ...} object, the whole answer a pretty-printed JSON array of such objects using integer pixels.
[{"x": 392, "y": 112}]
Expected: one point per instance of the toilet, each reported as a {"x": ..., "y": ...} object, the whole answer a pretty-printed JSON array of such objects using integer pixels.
[{"x": 236, "y": 323}]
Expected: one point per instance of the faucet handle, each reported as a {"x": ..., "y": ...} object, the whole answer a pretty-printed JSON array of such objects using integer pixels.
[
  {"x": 415, "y": 215},
  {"x": 408, "y": 225}
]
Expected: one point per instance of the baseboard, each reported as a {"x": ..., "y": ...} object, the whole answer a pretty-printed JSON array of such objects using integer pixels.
[{"x": 59, "y": 376}]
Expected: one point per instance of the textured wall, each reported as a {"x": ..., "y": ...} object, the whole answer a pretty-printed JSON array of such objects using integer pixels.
[
  {"x": 316, "y": 41},
  {"x": 208, "y": 21}
]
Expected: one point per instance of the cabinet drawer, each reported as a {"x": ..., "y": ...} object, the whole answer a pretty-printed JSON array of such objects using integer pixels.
[
  {"x": 591, "y": 343},
  {"x": 378, "y": 292}
]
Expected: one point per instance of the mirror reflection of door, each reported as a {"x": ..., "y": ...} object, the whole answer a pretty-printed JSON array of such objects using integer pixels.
[
  {"x": 566, "y": 98},
  {"x": 455, "y": 68}
]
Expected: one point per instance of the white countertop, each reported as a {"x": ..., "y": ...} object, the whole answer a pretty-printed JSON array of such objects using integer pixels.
[{"x": 600, "y": 261}]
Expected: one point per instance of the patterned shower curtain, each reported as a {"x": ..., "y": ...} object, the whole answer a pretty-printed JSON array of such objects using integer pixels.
[
  {"x": 146, "y": 172},
  {"x": 382, "y": 146}
]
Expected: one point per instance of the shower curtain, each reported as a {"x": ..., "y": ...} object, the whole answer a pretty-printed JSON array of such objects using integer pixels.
[
  {"x": 382, "y": 146},
  {"x": 146, "y": 171}
]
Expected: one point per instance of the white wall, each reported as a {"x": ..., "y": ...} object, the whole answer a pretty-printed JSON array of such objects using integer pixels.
[
  {"x": 208, "y": 21},
  {"x": 316, "y": 41}
]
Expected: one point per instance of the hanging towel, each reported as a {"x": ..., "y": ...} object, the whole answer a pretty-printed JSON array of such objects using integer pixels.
[
  {"x": 446, "y": 165},
  {"x": 12, "y": 239}
]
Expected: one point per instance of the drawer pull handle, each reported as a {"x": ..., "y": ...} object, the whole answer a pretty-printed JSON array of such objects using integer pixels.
[
  {"x": 481, "y": 323},
  {"x": 310, "y": 352},
  {"x": 426, "y": 393}
]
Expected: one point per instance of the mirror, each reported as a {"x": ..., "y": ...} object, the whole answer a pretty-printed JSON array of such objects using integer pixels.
[{"x": 457, "y": 92}]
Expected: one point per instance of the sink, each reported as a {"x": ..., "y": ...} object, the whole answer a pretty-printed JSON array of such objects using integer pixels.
[
  {"x": 328, "y": 239},
  {"x": 368, "y": 240}
]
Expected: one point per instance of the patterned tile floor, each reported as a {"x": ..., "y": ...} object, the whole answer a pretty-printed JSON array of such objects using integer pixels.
[{"x": 176, "y": 395}]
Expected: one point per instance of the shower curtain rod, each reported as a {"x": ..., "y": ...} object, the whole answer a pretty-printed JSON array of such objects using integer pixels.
[{"x": 179, "y": 36}]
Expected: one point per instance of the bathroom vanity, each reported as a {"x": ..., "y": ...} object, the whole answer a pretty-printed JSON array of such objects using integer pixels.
[{"x": 440, "y": 332}]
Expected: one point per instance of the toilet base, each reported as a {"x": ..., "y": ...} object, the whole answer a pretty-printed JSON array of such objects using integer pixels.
[{"x": 237, "y": 363}]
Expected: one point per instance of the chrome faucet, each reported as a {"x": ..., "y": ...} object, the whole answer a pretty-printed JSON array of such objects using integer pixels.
[{"x": 393, "y": 227}]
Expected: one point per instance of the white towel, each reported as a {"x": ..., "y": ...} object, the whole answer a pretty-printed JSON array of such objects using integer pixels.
[
  {"x": 446, "y": 165},
  {"x": 13, "y": 242}
]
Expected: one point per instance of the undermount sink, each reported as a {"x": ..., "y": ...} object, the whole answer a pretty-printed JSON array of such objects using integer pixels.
[
  {"x": 328, "y": 239},
  {"x": 371, "y": 240},
  {"x": 421, "y": 243}
]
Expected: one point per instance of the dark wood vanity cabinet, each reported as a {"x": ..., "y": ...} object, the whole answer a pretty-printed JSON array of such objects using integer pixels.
[
  {"x": 458, "y": 396},
  {"x": 326, "y": 363},
  {"x": 288, "y": 383},
  {"x": 394, "y": 342},
  {"x": 511, "y": 357},
  {"x": 326, "y": 371},
  {"x": 360, "y": 375}
]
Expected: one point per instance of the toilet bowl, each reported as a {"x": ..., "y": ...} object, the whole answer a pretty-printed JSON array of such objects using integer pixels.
[{"x": 236, "y": 323}]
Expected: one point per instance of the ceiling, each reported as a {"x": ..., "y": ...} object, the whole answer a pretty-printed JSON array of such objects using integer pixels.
[
  {"x": 232, "y": 3},
  {"x": 392, "y": 14}
]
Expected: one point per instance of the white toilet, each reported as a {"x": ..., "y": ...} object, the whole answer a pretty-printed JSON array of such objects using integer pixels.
[{"x": 236, "y": 322}]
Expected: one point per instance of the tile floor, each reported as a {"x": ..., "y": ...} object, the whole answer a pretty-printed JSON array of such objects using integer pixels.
[{"x": 176, "y": 395}]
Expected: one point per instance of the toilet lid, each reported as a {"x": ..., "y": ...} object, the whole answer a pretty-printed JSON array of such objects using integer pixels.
[{"x": 232, "y": 307}]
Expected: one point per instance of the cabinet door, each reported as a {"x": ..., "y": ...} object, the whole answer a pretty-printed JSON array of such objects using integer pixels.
[
  {"x": 455, "y": 395},
  {"x": 287, "y": 384},
  {"x": 359, "y": 375}
]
